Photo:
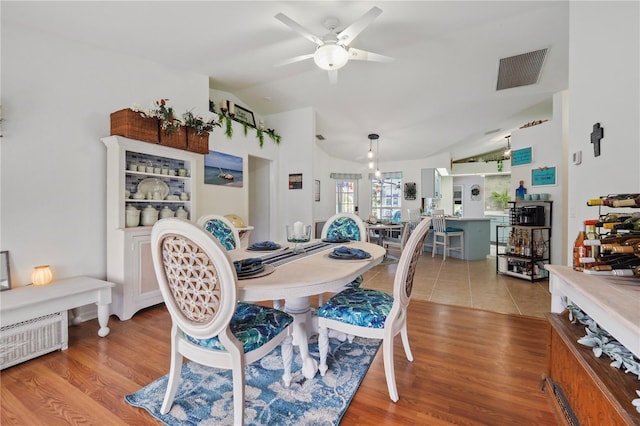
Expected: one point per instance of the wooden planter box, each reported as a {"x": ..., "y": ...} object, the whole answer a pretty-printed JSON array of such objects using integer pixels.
[
  {"x": 131, "y": 124},
  {"x": 175, "y": 140},
  {"x": 197, "y": 143}
]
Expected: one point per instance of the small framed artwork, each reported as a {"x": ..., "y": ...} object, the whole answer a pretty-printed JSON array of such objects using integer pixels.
[
  {"x": 295, "y": 181},
  {"x": 316, "y": 190},
  {"x": 5, "y": 276},
  {"x": 244, "y": 116},
  {"x": 520, "y": 157},
  {"x": 543, "y": 176},
  {"x": 410, "y": 191}
]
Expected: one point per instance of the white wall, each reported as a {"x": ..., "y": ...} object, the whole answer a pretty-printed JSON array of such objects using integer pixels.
[
  {"x": 471, "y": 208},
  {"x": 57, "y": 97},
  {"x": 604, "y": 75},
  {"x": 548, "y": 150}
]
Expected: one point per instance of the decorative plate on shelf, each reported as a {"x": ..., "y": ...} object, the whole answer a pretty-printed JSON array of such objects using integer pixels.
[{"x": 153, "y": 185}]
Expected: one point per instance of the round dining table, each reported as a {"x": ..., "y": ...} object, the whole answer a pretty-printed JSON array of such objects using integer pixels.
[{"x": 301, "y": 277}]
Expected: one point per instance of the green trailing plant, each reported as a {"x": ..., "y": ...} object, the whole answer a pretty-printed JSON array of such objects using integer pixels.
[
  {"x": 260, "y": 136},
  {"x": 226, "y": 121},
  {"x": 502, "y": 198},
  {"x": 198, "y": 123}
]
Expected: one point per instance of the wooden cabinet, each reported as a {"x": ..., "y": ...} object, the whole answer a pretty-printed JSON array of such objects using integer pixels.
[
  {"x": 131, "y": 165},
  {"x": 431, "y": 183}
]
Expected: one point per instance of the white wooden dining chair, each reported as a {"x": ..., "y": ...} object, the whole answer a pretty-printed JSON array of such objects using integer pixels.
[
  {"x": 345, "y": 225},
  {"x": 197, "y": 280},
  {"x": 374, "y": 314},
  {"x": 401, "y": 241},
  {"x": 442, "y": 236},
  {"x": 414, "y": 217},
  {"x": 222, "y": 229}
]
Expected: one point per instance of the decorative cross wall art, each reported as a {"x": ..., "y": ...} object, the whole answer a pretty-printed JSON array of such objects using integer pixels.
[{"x": 596, "y": 137}]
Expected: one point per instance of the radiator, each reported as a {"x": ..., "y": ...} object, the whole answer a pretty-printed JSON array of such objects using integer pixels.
[{"x": 29, "y": 339}]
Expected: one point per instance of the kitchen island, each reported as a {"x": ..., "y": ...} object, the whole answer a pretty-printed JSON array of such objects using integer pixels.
[{"x": 477, "y": 232}]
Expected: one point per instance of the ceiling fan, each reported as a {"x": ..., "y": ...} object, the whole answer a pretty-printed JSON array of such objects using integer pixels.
[{"x": 333, "y": 51}]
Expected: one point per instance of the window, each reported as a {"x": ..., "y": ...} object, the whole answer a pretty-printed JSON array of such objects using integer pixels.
[
  {"x": 346, "y": 196},
  {"x": 386, "y": 199}
]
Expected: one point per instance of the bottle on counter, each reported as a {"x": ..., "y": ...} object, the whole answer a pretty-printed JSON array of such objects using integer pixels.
[
  {"x": 521, "y": 191},
  {"x": 580, "y": 250}
]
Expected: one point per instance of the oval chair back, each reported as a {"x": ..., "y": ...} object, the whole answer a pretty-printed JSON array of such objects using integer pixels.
[
  {"x": 346, "y": 225},
  {"x": 222, "y": 229}
]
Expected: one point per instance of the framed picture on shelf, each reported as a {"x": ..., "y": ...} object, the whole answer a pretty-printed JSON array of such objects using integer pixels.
[{"x": 244, "y": 116}]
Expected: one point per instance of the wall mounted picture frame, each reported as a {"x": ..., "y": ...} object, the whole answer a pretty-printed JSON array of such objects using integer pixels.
[
  {"x": 520, "y": 157},
  {"x": 295, "y": 181},
  {"x": 410, "y": 191},
  {"x": 5, "y": 276},
  {"x": 244, "y": 116},
  {"x": 543, "y": 176},
  {"x": 223, "y": 169}
]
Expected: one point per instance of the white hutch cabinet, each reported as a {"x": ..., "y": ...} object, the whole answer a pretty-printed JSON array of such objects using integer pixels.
[{"x": 129, "y": 262}]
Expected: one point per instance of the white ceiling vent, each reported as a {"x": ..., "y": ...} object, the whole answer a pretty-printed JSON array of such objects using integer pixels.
[{"x": 520, "y": 70}]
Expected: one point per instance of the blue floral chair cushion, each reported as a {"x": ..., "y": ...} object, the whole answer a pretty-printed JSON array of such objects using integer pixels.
[
  {"x": 253, "y": 325},
  {"x": 344, "y": 227},
  {"x": 222, "y": 233},
  {"x": 358, "y": 306}
]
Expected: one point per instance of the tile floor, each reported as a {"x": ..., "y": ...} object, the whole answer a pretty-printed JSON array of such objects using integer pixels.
[{"x": 467, "y": 283}]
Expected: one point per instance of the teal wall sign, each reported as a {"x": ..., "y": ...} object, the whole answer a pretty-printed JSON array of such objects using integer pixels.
[
  {"x": 543, "y": 176},
  {"x": 521, "y": 156}
]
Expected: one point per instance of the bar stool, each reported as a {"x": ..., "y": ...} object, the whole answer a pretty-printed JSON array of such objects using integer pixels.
[{"x": 442, "y": 235}]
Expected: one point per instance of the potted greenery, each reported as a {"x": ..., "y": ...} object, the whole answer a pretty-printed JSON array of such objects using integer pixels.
[{"x": 501, "y": 198}]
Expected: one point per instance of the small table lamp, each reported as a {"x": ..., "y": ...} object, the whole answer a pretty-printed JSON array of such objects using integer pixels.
[{"x": 41, "y": 275}]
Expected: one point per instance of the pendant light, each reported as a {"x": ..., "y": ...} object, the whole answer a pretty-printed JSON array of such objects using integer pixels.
[
  {"x": 375, "y": 137},
  {"x": 370, "y": 153},
  {"x": 370, "y": 156},
  {"x": 507, "y": 152}
]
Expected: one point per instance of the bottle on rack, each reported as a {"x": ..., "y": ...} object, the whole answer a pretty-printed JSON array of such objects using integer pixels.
[
  {"x": 521, "y": 191},
  {"x": 592, "y": 235},
  {"x": 580, "y": 250},
  {"x": 616, "y": 200},
  {"x": 630, "y": 246}
]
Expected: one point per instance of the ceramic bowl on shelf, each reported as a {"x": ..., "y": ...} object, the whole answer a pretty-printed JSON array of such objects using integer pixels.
[
  {"x": 544, "y": 196},
  {"x": 173, "y": 198}
]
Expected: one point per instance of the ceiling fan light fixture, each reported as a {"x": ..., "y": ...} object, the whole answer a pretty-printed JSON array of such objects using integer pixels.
[{"x": 330, "y": 56}]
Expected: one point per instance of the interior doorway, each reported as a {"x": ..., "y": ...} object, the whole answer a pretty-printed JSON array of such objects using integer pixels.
[{"x": 259, "y": 202}]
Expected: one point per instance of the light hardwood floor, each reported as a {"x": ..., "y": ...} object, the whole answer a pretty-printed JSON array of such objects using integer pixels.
[{"x": 471, "y": 366}]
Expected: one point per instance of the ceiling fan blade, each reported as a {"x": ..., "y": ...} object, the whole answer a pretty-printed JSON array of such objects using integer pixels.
[
  {"x": 363, "y": 55},
  {"x": 333, "y": 76},
  {"x": 347, "y": 35},
  {"x": 294, "y": 59},
  {"x": 298, "y": 28}
]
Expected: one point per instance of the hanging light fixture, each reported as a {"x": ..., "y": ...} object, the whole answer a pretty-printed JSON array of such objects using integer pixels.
[
  {"x": 372, "y": 137},
  {"x": 375, "y": 137},
  {"x": 507, "y": 152}
]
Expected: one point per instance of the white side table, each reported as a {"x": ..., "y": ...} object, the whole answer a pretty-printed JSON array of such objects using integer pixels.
[{"x": 27, "y": 311}]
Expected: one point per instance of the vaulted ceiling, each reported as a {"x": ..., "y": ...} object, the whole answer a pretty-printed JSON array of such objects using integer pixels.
[{"x": 438, "y": 95}]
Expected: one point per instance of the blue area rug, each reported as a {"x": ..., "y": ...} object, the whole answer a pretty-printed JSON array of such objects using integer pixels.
[{"x": 205, "y": 395}]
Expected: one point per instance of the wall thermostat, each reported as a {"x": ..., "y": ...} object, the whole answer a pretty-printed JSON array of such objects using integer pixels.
[{"x": 577, "y": 157}]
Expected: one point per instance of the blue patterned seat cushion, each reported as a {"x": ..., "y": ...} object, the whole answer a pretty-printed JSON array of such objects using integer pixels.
[
  {"x": 344, "y": 227},
  {"x": 222, "y": 233},
  {"x": 253, "y": 325},
  {"x": 358, "y": 306},
  {"x": 451, "y": 229}
]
